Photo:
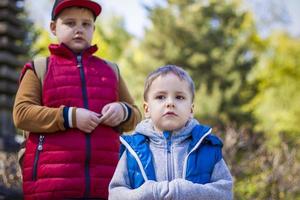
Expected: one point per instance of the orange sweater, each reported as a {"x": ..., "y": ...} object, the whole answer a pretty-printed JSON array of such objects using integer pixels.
[{"x": 29, "y": 115}]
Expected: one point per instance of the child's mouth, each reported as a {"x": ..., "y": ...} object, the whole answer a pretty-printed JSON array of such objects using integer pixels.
[
  {"x": 78, "y": 39},
  {"x": 170, "y": 114}
]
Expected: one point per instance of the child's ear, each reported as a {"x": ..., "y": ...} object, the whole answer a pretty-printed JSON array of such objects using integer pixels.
[
  {"x": 53, "y": 27},
  {"x": 192, "y": 110},
  {"x": 146, "y": 109}
]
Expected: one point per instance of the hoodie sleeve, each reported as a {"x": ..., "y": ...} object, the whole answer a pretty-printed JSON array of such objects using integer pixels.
[
  {"x": 119, "y": 187},
  {"x": 28, "y": 114},
  {"x": 134, "y": 114},
  {"x": 219, "y": 188}
]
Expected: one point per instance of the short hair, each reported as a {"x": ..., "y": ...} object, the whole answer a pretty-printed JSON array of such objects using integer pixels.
[{"x": 164, "y": 70}]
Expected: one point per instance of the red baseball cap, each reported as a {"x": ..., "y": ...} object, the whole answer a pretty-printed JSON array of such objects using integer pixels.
[{"x": 59, "y": 5}]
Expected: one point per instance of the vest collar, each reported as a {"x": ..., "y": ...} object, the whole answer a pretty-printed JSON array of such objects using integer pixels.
[{"x": 64, "y": 51}]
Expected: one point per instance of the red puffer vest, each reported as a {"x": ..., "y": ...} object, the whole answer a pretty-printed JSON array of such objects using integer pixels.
[{"x": 72, "y": 164}]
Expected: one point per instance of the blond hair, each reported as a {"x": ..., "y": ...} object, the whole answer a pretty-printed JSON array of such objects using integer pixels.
[{"x": 164, "y": 70}]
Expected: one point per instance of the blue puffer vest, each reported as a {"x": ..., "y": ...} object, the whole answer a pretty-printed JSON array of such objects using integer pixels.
[{"x": 205, "y": 150}]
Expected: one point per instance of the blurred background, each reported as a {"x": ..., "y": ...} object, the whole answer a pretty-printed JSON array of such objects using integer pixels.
[{"x": 244, "y": 56}]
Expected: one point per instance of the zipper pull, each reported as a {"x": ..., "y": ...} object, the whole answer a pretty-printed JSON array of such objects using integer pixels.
[
  {"x": 79, "y": 61},
  {"x": 41, "y": 139},
  {"x": 167, "y": 135}
]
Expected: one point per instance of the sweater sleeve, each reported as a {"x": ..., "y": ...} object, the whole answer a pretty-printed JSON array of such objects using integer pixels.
[
  {"x": 219, "y": 188},
  {"x": 28, "y": 114},
  {"x": 134, "y": 115},
  {"x": 119, "y": 187}
]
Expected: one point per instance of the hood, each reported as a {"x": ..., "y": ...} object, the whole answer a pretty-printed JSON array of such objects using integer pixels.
[{"x": 146, "y": 128}]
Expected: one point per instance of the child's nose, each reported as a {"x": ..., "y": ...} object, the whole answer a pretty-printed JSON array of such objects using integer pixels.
[
  {"x": 170, "y": 102},
  {"x": 79, "y": 29}
]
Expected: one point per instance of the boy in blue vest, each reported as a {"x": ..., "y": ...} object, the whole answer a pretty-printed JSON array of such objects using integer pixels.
[{"x": 171, "y": 155}]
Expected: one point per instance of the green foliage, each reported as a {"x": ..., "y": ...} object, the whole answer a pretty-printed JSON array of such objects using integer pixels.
[
  {"x": 275, "y": 165},
  {"x": 41, "y": 43},
  {"x": 277, "y": 74},
  {"x": 112, "y": 38},
  {"x": 208, "y": 109},
  {"x": 212, "y": 40}
]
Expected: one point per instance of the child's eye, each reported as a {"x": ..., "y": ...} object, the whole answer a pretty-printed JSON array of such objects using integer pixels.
[
  {"x": 86, "y": 24},
  {"x": 160, "y": 97},
  {"x": 70, "y": 23},
  {"x": 180, "y": 97}
]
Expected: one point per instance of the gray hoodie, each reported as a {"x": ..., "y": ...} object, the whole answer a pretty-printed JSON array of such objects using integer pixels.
[{"x": 170, "y": 182}]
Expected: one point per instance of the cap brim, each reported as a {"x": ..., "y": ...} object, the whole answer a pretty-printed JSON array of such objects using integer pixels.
[{"x": 93, "y": 6}]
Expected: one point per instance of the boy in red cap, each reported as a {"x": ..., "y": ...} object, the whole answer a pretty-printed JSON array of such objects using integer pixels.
[{"x": 74, "y": 116}]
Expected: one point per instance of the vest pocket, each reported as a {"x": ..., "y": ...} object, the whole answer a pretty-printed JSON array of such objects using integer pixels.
[{"x": 39, "y": 148}]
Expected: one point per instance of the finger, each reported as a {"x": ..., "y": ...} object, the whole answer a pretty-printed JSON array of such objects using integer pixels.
[
  {"x": 89, "y": 126},
  {"x": 96, "y": 120},
  {"x": 93, "y": 125},
  {"x": 101, "y": 119},
  {"x": 96, "y": 114},
  {"x": 109, "y": 118},
  {"x": 113, "y": 120},
  {"x": 105, "y": 109},
  {"x": 106, "y": 116}
]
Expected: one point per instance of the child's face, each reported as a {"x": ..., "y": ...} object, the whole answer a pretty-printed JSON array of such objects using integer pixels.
[
  {"x": 74, "y": 27},
  {"x": 169, "y": 103}
]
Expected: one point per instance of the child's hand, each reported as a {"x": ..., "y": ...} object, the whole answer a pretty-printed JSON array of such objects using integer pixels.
[
  {"x": 86, "y": 120},
  {"x": 112, "y": 114}
]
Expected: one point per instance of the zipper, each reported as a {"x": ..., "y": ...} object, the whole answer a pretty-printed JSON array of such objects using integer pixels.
[
  {"x": 87, "y": 136},
  {"x": 39, "y": 148},
  {"x": 167, "y": 135},
  {"x": 82, "y": 77}
]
